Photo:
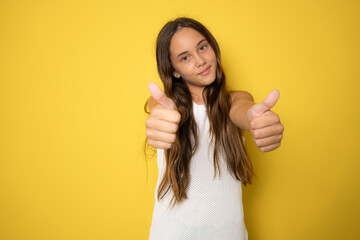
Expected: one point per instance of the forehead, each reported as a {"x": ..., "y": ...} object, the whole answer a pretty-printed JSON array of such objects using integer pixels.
[{"x": 185, "y": 39}]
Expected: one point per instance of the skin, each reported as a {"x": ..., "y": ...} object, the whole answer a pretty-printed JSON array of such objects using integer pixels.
[
  {"x": 264, "y": 124},
  {"x": 194, "y": 60}
]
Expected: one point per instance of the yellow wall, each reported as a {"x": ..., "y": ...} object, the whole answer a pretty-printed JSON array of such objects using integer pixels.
[{"x": 73, "y": 81}]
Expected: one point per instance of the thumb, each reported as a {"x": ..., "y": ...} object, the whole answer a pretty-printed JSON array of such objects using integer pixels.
[
  {"x": 160, "y": 96},
  {"x": 265, "y": 105}
]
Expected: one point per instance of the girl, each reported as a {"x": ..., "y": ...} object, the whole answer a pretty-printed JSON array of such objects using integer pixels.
[{"x": 196, "y": 126}]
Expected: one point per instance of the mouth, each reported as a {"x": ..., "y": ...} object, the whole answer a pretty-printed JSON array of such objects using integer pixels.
[{"x": 205, "y": 71}]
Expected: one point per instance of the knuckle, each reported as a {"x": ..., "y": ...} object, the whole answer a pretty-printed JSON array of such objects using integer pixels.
[
  {"x": 281, "y": 128},
  {"x": 280, "y": 136},
  {"x": 173, "y": 138},
  {"x": 256, "y": 133},
  {"x": 273, "y": 147},
  {"x": 151, "y": 143},
  {"x": 167, "y": 145},
  {"x": 177, "y": 117},
  {"x": 148, "y": 132},
  {"x": 252, "y": 133},
  {"x": 258, "y": 143},
  {"x": 276, "y": 117},
  {"x": 253, "y": 124},
  {"x": 175, "y": 128},
  {"x": 148, "y": 122},
  {"x": 262, "y": 149}
]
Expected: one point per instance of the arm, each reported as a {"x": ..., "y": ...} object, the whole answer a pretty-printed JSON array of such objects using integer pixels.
[
  {"x": 241, "y": 102},
  {"x": 264, "y": 124}
]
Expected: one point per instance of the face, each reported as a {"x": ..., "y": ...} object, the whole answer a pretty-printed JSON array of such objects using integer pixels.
[{"x": 193, "y": 59}]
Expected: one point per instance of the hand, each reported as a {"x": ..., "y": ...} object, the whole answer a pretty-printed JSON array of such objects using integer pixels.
[
  {"x": 265, "y": 125},
  {"x": 163, "y": 121}
]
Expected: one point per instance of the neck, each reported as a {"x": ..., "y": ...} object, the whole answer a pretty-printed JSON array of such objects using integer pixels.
[{"x": 197, "y": 97}]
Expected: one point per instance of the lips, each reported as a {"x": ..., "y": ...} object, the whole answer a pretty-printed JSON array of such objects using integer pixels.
[{"x": 205, "y": 71}]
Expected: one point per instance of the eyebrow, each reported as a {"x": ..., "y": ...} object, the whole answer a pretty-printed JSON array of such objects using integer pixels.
[{"x": 182, "y": 53}]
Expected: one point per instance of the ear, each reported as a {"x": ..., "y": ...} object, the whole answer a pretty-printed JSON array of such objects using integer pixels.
[{"x": 177, "y": 75}]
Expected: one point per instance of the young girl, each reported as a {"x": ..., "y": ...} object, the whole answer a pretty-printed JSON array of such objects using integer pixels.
[{"x": 195, "y": 124}]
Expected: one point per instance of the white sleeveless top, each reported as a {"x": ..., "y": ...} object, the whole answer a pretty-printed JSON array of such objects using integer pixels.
[{"x": 213, "y": 209}]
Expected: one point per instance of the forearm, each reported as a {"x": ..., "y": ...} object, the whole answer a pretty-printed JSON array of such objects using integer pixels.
[{"x": 241, "y": 102}]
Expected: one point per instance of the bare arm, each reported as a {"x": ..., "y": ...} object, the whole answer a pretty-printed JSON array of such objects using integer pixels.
[
  {"x": 264, "y": 124},
  {"x": 241, "y": 102}
]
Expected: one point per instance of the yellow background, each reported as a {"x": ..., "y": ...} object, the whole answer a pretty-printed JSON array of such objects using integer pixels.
[{"x": 73, "y": 81}]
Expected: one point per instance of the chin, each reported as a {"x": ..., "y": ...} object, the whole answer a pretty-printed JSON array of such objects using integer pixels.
[{"x": 213, "y": 77}]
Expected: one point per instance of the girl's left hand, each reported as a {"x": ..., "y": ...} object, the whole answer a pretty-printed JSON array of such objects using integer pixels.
[{"x": 265, "y": 125}]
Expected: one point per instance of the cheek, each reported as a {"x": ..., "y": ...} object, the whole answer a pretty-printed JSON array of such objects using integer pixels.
[
  {"x": 188, "y": 69},
  {"x": 210, "y": 55},
  {"x": 214, "y": 56},
  {"x": 184, "y": 69}
]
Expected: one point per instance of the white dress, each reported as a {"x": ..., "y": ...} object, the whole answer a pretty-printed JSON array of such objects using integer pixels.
[{"x": 213, "y": 209}]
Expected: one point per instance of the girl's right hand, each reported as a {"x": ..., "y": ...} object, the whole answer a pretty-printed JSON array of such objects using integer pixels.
[{"x": 163, "y": 121}]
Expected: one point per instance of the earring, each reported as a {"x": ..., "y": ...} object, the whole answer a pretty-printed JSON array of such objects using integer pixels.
[{"x": 176, "y": 75}]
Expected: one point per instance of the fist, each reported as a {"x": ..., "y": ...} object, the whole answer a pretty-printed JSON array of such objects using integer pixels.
[
  {"x": 265, "y": 125},
  {"x": 163, "y": 121}
]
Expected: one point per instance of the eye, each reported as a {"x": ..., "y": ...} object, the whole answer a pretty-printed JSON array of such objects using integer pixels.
[
  {"x": 184, "y": 58},
  {"x": 203, "y": 47}
]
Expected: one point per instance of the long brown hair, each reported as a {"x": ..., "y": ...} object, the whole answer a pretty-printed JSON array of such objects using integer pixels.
[{"x": 218, "y": 104}]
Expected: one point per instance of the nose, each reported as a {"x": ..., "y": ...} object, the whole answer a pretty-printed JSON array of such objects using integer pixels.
[{"x": 200, "y": 60}]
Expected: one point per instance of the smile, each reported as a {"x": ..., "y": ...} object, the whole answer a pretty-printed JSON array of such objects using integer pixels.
[{"x": 205, "y": 71}]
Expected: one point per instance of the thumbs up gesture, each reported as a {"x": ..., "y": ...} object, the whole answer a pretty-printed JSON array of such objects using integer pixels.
[
  {"x": 163, "y": 121},
  {"x": 265, "y": 125}
]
